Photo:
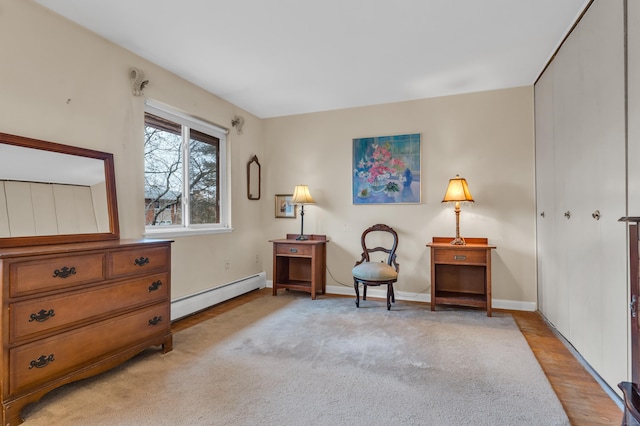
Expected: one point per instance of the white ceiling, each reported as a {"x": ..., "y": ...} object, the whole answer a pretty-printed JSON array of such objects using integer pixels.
[{"x": 283, "y": 57}]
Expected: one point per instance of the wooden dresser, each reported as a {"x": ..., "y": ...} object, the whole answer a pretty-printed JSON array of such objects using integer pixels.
[{"x": 70, "y": 311}]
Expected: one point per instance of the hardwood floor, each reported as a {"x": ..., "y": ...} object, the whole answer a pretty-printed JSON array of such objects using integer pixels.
[{"x": 583, "y": 399}]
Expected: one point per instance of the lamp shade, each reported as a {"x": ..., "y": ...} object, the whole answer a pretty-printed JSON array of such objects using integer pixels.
[
  {"x": 301, "y": 195},
  {"x": 457, "y": 191}
]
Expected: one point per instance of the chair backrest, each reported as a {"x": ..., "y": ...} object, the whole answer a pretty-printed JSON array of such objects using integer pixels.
[{"x": 390, "y": 251}]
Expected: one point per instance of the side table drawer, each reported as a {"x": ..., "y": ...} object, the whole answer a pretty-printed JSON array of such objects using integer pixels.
[
  {"x": 463, "y": 257},
  {"x": 293, "y": 249}
]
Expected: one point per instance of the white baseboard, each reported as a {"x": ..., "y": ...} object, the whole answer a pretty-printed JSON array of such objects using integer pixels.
[
  {"x": 423, "y": 297},
  {"x": 192, "y": 303}
]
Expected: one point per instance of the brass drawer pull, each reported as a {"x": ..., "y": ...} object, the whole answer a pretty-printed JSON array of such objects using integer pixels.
[
  {"x": 64, "y": 272},
  {"x": 459, "y": 257},
  {"x": 41, "y": 362},
  {"x": 42, "y": 315},
  {"x": 155, "y": 286},
  {"x": 141, "y": 261},
  {"x": 155, "y": 320},
  {"x": 293, "y": 250}
]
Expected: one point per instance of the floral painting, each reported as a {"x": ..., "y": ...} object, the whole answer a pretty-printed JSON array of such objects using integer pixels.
[{"x": 386, "y": 169}]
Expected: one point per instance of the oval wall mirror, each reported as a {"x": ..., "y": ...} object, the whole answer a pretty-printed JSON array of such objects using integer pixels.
[
  {"x": 52, "y": 193},
  {"x": 253, "y": 179}
]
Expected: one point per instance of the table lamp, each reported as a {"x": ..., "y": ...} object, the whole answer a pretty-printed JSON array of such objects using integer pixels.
[
  {"x": 457, "y": 191},
  {"x": 302, "y": 196}
]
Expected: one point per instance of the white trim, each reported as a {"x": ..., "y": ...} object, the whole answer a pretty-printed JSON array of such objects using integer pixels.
[
  {"x": 514, "y": 305},
  {"x": 192, "y": 303},
  {"x": 171, "y": 232},
  {"x": 381, "y": 293},
  {"x": 161, "y": 109}
]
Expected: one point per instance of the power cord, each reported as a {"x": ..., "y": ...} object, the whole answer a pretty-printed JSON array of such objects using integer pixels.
[{"x": 415, "y": 295}]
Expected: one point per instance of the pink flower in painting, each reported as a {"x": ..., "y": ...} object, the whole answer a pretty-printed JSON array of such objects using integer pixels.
[{"x": 380, "y": 166}]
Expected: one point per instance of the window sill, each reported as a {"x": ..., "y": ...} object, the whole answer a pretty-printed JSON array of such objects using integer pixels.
[{"x": 183, "y": 232}]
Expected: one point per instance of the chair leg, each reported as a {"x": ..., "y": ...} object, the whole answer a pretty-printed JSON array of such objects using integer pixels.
[
  {"x": 356, "y": 287},
  {"x": 389, "y": 293},
  {"x": 393, "y": 294},
  {"x": 364, "y": 292}
]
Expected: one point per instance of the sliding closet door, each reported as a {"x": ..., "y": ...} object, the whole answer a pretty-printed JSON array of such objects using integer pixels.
[
  {"x": 633, "y": 141},
  {"x": 588, "y": 138},
  {"x": 552, "y": 296},
  {"x": 604, "y": 78},
  {"x": 633, "y": 59}
]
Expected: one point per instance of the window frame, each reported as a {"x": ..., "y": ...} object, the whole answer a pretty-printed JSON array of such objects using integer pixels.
[{"x": 187, "y": 121}]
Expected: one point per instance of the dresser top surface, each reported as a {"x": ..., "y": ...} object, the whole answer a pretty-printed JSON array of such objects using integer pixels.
[{"x": 8, "y": 252}]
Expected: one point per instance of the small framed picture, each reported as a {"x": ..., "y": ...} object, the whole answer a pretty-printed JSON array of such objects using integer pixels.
[{"x": 284, "y": 208}]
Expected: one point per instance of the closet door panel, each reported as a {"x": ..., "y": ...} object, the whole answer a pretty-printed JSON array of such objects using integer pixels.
[
  {"x": 607, "y": 83},
  {"x": 565, "y": 115},
  {"x": 633, "y": 150},
  {"x": 633, "y": 98},
  {"x": 548, "y": 301}
]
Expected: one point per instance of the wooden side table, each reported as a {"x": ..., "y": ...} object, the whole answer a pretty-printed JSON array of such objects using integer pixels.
[
  {"x": 300, "y": 264},
  {"x": 461, "y": 274}
]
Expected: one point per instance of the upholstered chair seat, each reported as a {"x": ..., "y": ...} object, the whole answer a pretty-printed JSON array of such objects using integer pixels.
[{"x": 374, "y": 271}]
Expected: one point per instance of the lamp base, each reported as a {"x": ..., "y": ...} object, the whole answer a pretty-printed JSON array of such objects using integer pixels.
[
  {"x": 302, "y": 238},
  {"x": 458, "y": 241}
]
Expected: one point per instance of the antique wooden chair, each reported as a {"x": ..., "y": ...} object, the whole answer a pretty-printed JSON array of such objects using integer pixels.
[{"x": 369, "y": 272}]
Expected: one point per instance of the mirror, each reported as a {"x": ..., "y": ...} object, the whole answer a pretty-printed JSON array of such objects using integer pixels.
[
  {"x": 52, "y": 193},
  {"x": 253, "y": 179}
]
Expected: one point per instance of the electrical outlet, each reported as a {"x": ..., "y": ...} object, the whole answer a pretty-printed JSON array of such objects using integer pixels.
[
  {"x": 227, "y": 264},
  {"x": 257, "y": 257}
]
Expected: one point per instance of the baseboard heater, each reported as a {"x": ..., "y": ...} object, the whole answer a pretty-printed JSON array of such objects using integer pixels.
[{"x": 192, "y": 303}]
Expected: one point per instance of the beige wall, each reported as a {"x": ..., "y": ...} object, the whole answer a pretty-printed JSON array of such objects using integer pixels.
[
  {"x": 59, "y": 82},
  {"x": 485, "y": 137}
]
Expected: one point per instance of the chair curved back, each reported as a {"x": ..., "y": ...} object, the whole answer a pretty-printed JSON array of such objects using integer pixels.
[{"x": 390, "y": 251}]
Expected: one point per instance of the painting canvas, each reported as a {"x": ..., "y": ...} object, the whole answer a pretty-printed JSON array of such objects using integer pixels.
[
  {"x": 284, "y": 208},
  {"x": 386, "y": 169}
]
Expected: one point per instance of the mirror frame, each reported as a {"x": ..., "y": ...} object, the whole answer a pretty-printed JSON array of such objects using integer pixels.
[
  {"x": 110, "y": 183},
  {"x": 250, "y": 189}
]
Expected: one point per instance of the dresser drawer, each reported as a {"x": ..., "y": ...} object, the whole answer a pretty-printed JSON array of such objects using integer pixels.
[
  {"x": 293, "y": 249},
  {"x": 140, "y": 260},
  {"x": 41, "y": 361},
  {"x": 36, "y": 316},
  {"x": 55, "y": 272},
  {"x": 462, "y": 257}
]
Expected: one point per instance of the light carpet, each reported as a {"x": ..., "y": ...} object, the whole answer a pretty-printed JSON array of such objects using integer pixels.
[{"x": 288, "y": 360}]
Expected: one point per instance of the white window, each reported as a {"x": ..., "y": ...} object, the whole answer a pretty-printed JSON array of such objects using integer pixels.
[{"x": 183, "y": 155}]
